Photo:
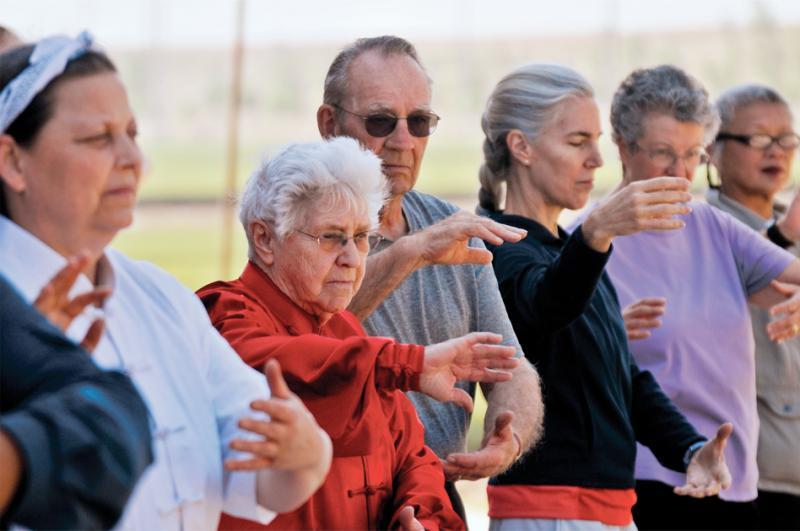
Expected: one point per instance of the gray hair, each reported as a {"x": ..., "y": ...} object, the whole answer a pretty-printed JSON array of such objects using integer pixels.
[
  {"x": 740, "y": 96},
  {"x": 326, "y": 174},
  {"x": 665, "y": 89},
  {"x": 336, "y": 81},
  {"x": 527, "y": 100}
]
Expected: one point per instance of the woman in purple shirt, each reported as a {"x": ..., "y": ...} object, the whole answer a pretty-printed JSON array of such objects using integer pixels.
[{"x": 703, "y": 353}]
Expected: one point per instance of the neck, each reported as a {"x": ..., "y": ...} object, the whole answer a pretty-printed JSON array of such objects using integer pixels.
[
  {"x": 524, "y": 199},
  {"x": 759, "y": 203},
  {"x": 320, "y": 317},
  {"x": 393, "y": 223}
]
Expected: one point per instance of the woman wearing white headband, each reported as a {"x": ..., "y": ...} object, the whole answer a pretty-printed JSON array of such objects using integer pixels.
[{"x": 69, "y": 173}]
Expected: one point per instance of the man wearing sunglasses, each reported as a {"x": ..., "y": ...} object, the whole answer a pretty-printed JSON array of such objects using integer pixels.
[
  {"x": 378, "y": 92},
  {"x": 753, "y": 154}
]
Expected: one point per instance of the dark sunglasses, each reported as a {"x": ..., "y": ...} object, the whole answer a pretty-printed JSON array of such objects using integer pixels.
[{"x": 379, "y": 125}]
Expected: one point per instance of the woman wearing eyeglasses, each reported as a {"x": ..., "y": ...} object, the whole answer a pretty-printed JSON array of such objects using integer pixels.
[
  {"x": 753, "y": 154},
  {"x": 308, "y": 215},
  {"x": 702, "y": 352}
]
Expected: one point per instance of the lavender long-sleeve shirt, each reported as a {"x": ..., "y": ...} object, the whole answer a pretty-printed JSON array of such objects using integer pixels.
[{"x": 703, "y": 355}]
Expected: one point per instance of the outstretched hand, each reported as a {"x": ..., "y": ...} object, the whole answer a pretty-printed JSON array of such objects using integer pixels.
[
  {"x": 651, "y": 204},
  {"x": 290, "y": 440},
  {"x": 498, "y": 452},
  {"x": 787, "y": 314},
  {"x": 477, "y": 357},
  {"x": 642, "y": 316},
  {"x": 447, "y": 242},
  {"x": 708, "y": 472},
  {"x": 54, "y": 303}
]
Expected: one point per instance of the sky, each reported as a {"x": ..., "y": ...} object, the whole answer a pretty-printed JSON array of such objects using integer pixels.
[{"x": 211, "y": 23}]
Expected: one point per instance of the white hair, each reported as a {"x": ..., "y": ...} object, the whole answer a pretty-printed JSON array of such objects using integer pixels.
[{"x": 327, "y": 174}]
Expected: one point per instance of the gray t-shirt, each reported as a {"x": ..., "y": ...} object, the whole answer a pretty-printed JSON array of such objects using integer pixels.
[{"x": 435, "y": 304}]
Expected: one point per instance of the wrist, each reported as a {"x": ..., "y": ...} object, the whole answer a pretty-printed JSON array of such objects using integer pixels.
[{"x": 693, "y": 449}]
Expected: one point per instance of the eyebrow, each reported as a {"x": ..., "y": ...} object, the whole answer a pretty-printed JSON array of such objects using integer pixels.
[{"x": 583, "y": 134}]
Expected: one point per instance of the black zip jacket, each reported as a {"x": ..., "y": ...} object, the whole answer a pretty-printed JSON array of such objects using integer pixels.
[{"x": 598, "y": 403}]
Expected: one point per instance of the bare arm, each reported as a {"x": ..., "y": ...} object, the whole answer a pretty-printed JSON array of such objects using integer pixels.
[
  {"x": 512, "y": 425},
  {"x": 444, "y": 243},
  {"x": 523, "y": 397}
]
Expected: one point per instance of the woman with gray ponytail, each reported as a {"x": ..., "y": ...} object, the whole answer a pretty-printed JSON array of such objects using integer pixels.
[{"x": 542, "y": 127}]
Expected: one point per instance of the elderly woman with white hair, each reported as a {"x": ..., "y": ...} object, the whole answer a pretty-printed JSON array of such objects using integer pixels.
[
  {"x": 753, "y": 154},
  {"x": 309, "y": 215},
  {"x": 702, "y": 354},
  {"x": 69, "y": 174}
]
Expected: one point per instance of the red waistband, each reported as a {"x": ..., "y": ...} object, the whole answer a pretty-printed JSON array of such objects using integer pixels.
[{"x": 609, "y": 506}]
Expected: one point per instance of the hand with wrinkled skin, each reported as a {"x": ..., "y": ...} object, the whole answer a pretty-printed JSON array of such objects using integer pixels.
[
  {"x": 476, "y": 357},
  {"x": 708, "y": 472},
  {"x": 497, "y": 453},
  {"x": 651, "y": 204},
  {"x": 642, "y": 316},
  {"x": 54, "y": 303},
  {"x": 406, "y": 521},
  {"x": 447, "y": 242},
  {"x": 290, "y": 440},
  {"x": 787, "y": 313}
]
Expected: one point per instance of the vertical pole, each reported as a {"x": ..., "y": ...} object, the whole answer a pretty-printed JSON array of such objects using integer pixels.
[{"x": 232, "y": 145}]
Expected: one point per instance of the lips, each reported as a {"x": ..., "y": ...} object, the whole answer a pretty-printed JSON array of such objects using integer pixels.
[{"x": 773, "y": 171}]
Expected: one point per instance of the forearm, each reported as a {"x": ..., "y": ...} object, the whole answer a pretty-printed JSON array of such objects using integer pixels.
[
  {"x": 769, "y": 296},
  {"x": 286, "y": 490},
  {"x": 385, "y": 271},
  {"x": 522, "y": 396},
  {"x": 11, "y": 462}
]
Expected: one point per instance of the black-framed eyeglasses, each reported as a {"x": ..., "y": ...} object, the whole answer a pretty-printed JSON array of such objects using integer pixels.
[
  {"x": 334, "y": 240},
  {"x": 382, "y": 124},
  {"x": 665, "y": 157},
  {"x": 786, "y": 141}
]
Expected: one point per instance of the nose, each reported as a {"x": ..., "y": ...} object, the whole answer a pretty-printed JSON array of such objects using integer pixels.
[
  {"x": 681, "y": 168},
  {"x": 595, "y": 160},
  {"x": 401, "y": 138},
  {"x": 774, "y": 150},
  {"x": 349, "y": 255},
  {"x": 129, "y": 156}
]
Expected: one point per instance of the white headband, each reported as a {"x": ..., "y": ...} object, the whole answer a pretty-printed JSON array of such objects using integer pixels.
[{"x": 48, "y": 61}]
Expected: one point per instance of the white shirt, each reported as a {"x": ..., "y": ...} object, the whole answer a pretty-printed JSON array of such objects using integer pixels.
[{"x": 196, "y": 387}]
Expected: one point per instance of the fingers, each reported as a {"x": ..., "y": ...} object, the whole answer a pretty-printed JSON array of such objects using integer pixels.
[
  {"x": 482, "y": 337},
  {"x": 255, "y": 463},
  {"x": 723, "y": 434},
  {"x": 93, "y": 335},
  {"x": 278, "y": 409},
  {"x": 641, "y": 324},
  {"x": 277, "y": 385},
  {"x": 785, "y": 328},
  {"x": 697, "y": 491},
  {"x": 79, "y": 303},
  {"x": 478, "y": 256},
  {"x": 61, "y": 283},
  {"x": 503, "y": 422},
  {"x": 462, "y": 399},
  {"x": 407, "y": 520},
  {"x": 663, "y": 183},
  {"x": 787, "y": 290}
]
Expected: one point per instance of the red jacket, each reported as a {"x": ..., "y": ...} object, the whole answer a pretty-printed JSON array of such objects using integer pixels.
[{"x": 353, "y": 385}]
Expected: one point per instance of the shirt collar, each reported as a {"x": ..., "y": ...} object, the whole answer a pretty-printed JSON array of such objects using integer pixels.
[
  {"x": 29, "y": 263},
  {"x": 296, "y": 320},
  {"x": 716, "y": 198}
]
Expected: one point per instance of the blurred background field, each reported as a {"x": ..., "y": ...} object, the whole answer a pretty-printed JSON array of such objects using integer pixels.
[{"x": 175, "y": 57}]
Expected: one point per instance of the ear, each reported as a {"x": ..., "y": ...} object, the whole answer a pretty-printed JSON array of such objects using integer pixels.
[
  {"x": 519, "y": 147},
  {"x": 326, "y": 121},
  {"x": 625, "y": 152},
  {"x": 263, "y": 241},
  {"x": 11, "y": 164}
]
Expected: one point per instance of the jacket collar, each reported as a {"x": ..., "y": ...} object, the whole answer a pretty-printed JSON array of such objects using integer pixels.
[{"x": 296, "y": 320}]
